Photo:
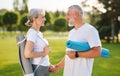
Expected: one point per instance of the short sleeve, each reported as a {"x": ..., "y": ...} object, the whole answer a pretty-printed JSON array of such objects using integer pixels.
[
  {"x": 31, "y": 36},
  {"x": 93, "y": 38}
]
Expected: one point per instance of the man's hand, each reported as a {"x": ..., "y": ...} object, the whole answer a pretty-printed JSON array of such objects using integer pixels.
[
  {"x": 71, "y": 54},
  {"x": 54, "y": 69}
]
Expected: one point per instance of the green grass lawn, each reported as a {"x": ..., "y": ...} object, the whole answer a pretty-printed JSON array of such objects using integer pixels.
[{"x": 9, "y": 64}]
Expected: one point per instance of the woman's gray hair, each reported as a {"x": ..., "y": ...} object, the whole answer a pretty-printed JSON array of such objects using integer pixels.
[
  {"x": 33, "y": 13},
  {"x": 78, "y": 8}
]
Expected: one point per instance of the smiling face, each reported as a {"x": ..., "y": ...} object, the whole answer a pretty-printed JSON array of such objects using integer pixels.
[
  {"x": 40, "y": 20},
  {"x": 70, "y": 17},
  {"x": 73, "y": 17}
]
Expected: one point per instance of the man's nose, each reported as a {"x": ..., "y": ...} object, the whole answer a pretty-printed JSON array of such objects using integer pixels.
[{"x": 67, "y": 18}]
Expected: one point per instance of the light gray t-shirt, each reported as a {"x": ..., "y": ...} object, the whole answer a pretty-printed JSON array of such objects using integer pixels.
[
  {"x": 39, "y": 44},
  {"x": 81, "y": 66}
]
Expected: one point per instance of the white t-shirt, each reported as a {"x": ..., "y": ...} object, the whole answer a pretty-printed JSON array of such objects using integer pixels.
[
  {"x": 39, "y": 44},
  {"x": 81, "y": 66}
]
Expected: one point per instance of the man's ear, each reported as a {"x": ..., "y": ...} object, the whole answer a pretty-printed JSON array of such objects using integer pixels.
[{"x": 76, "y": 14}]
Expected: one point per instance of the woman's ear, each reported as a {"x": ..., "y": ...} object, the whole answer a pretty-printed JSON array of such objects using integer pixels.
[{"x": 34, "y": 19}]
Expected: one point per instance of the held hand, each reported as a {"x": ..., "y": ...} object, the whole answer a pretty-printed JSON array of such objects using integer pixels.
[
  {"x": 53, "y": 69},
  {"x": 71, "y": 54},
  {"x": 46, "y": 50}
]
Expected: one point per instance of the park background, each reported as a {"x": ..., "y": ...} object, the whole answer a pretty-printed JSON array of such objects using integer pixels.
[{"x": 102, "y": 14}]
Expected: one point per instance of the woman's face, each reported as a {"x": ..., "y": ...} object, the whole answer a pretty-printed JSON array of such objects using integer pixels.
[{"x": 40, "y": 20}]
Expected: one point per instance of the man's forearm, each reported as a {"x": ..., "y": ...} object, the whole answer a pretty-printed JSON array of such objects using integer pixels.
[
  {"x": 92, "y": 53},
  {"x": 61, "y": 63}
]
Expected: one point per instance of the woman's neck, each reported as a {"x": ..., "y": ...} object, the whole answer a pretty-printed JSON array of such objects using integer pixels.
[{"x": 35, "y": 28}]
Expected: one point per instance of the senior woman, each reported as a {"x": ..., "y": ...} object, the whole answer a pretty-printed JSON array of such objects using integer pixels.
[{"x": 37, "y": 47}]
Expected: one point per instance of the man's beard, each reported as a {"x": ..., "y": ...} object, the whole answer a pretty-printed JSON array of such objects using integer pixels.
[{"x": 71, "y": 22}]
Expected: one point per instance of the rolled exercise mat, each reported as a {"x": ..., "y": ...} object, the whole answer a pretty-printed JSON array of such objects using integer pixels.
[
  {"x": 84, "y": 46},
  {"x": 24, "y": 62}
]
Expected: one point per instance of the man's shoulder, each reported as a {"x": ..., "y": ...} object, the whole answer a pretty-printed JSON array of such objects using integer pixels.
[
  {"x": 71, "y": 30},
  {"x": 90, "y": 27}
]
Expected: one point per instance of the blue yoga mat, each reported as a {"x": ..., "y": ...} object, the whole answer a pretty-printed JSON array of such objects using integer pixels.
[{"x": 84, "y": 46}]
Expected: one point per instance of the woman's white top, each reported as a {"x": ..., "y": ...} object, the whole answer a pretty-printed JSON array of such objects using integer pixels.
[{"x": 39, "y": 44}]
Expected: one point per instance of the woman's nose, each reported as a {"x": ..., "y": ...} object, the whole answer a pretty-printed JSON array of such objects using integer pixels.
[{"x": 44, "y": 19}]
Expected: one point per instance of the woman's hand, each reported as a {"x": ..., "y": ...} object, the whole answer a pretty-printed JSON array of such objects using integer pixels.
[
  {"x": 46, "y": 50},
  {"x": 54, "y": 68}
]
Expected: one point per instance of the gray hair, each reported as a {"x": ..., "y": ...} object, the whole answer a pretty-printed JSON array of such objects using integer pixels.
[
  {"x": 78, "y": 8},
  {"x": 33, "y": 13}
]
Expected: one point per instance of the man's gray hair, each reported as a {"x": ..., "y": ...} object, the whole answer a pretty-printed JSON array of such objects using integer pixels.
[
  {"x": 77, "y": 7},
  {"x": 33, "y": 13}
]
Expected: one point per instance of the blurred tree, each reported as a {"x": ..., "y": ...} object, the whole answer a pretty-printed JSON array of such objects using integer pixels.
[
  {"x": 92, "y": 16},
  {"x": 48, "y": 22},
  {"x": 25, "y": 7},
  {"x": 16, "y": 5},
  {"x": 11, "y": 19},
  {"x": 105, "y": 33},
  {"x": 22, "y": 26},
  {"x": 63, "y": 13},
  {"x": 60, "y": 24},
  {"x": 56, "y": 14},
  {"x": 2, "y": 11},
  {"x": 111, "y": 16},
  {"x": 0, "y": 20},
  {"x": 48, "y": 19},
  {"x": 21, "y": 6}
]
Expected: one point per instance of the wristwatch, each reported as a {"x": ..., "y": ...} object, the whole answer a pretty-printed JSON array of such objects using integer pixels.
[{"x": 76, "y": 54}]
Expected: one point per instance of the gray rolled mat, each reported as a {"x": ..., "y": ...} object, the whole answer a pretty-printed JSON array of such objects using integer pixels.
[{"x": 24, "y": 62}]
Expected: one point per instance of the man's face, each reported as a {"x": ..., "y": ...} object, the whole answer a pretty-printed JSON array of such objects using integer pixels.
[{"x": 70, "y": 17}]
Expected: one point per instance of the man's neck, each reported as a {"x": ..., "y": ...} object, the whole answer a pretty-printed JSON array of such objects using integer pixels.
[{"x": 79, "y": 24}]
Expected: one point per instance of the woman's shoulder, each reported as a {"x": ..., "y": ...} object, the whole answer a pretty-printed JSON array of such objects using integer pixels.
[{"x": 31, "y": 31}]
